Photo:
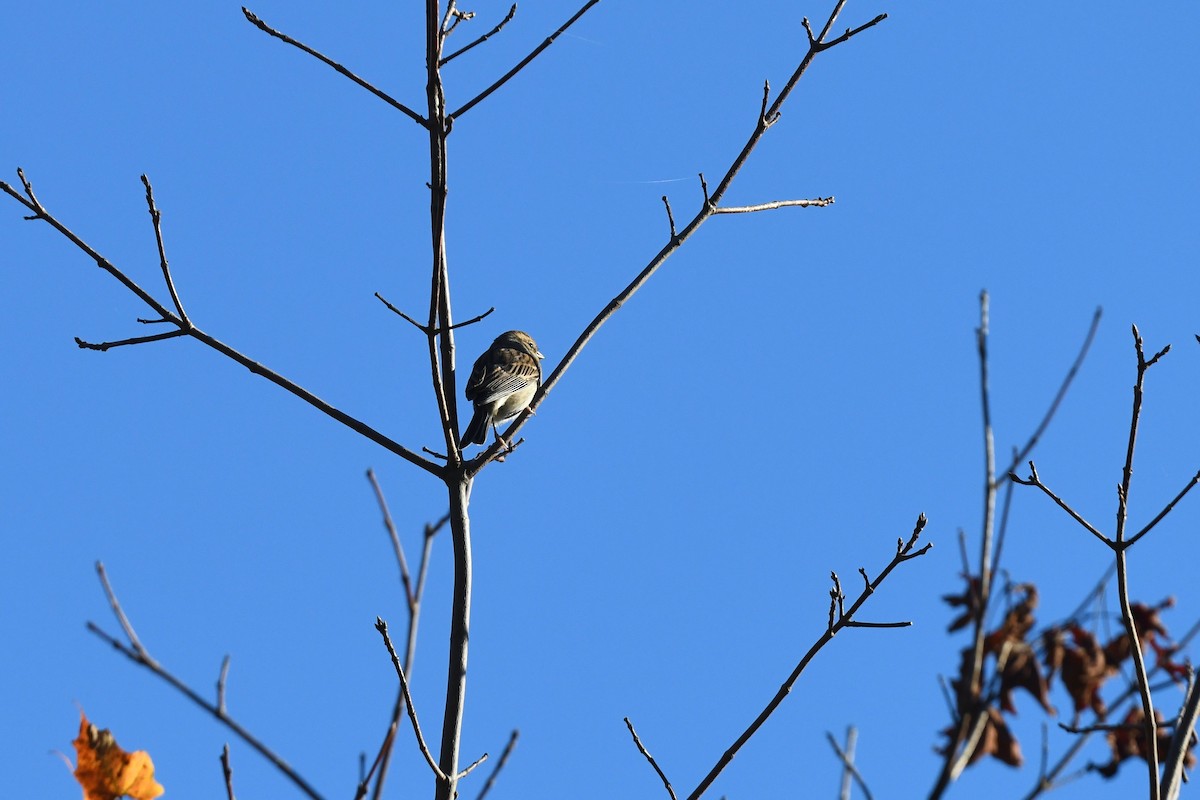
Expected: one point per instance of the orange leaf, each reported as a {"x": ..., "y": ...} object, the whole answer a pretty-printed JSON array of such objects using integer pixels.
[{"x": 107, "y": 772}]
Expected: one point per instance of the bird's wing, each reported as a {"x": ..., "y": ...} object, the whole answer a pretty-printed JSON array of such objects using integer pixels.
[
  {"x": 506, "y": 371},
  {"x": 478, "y": 374}
]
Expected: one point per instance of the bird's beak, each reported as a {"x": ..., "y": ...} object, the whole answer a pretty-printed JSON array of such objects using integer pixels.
[{"x": 539, "y": 354}]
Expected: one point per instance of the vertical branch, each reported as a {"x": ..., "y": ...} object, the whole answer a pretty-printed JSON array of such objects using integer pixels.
[
  {"x": 989, "y": 495},
  {"x": 1119, "y": 548},
  {"x": 456, "y": 674},
  {"x": 439, "y": 333},
  {"x": 971, "y": 719}
]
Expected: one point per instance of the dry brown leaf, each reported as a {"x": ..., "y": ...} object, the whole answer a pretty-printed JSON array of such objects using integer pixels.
[{"x": 107, "y": 772}]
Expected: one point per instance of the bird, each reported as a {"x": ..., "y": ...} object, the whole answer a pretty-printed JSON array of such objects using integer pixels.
[{"x": 502, "y": 383}]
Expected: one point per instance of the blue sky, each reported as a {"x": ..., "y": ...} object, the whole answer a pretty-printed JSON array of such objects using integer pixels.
[{"x": 781, "y": 400}]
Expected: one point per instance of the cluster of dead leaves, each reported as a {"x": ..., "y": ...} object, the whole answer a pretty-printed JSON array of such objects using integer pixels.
[
  {"x": 1073, "y": 653},
  {"x": 107, "y": 772}
]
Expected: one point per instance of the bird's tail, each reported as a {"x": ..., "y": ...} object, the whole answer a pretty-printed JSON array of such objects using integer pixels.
[{"x": 476, "y": 432}]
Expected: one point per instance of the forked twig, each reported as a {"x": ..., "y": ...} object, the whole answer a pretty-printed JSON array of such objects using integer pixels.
[
  {"x": 507, "y": 19},
  {"x": 905, "y": 551},
  {"x": 156, "y": 217},
  {"x": 138, "y": 654},
  {"x": 30, "y": 201},
  {"x": 523, "y": 62},
  {"x": 712, "y": 202}
]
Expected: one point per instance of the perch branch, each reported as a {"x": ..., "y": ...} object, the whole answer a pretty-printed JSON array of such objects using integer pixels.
[{"x": 711, "y": 203}]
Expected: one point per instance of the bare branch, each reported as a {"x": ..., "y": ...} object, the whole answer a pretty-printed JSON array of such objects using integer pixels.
[
  {"x": 191, "y": 330},
  {"x": 670, "y": 216},
  {"x": 1167, "y": 510},
  {"x": 712, "y": 202},
  {"x": 102, "y": 346},
  {"x": 1173, "y": 774},
  {"x": 138, "y": 654},
  {"x": 222, "y": 679},
  {"x": 40, "y": 212},
  {"x": 471, "y": 767},
  {"x": 381, "y": 626},
  {"x": 156, "y": 217},
  {"x": 1062, "y": 393},
  {"x": 850, "y": 33},
  {"x": 905, "y": 552},
  {"x": 119, "y": 613},
  {"x": 1034, "y": 480},
  {"x": 521, "y": 65},
  {"x": 425, "y": 329},
  {"x": 819, "y": 202},
  {"x": 646, "y": 754},
  {"x": 384, "y": 96},
  {"x": 397, "y": 548},
  {"x": 508, "y": 18},
  {"x": 227, "y": 771}
]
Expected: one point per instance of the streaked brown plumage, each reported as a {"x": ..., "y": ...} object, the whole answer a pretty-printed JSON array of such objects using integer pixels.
[{"x": 503, "y": 381}]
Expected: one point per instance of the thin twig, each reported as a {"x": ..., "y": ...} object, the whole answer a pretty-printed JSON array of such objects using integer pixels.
[
  {"x": 382, "y": 95},
  {"x": 670, "y": 216},
  {"x": 381, "y": 626},
  {"x": 156, "y": 218},
  {"x": 905, "y": 551},
  {"x": 819, "y": 202},
  {"x": 1059, "y": 395},
  {"x": 425, "y": 329},
  {"x": 521, "y": 65},
  {"x": 508, "y": 18},
  {"x": 397, "y": 547},
  {"x": 227, "y": 771},
  {"x": 119, "y": 613},
  {"x": 471, "y": 767},
  {"x": 1167, "y": 510},
  {"x": 102, "y": 346},
  {"x": 646, "y": 754},
  {"x": 1035, "y": 480},
  {"x": 508, "y": 749},
  {"x": 222, "y": 679}
]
